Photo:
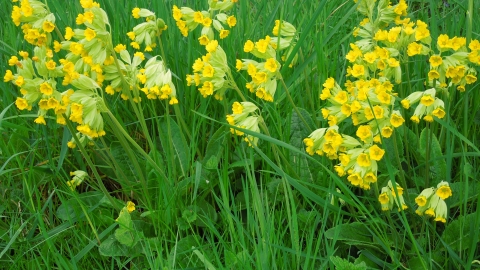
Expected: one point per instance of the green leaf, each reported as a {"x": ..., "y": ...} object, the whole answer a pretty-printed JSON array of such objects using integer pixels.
[
  {"x": 438, "y": 165},
  {"x": 298, "y": 132},
  {"x": 355, "y": 231},
  {"x": 126, "y": 233},
  {"x": 215, "y": 148},
  {"x": 181, "y": 255},
  {"x": 459, "y": 233},
  {"x": 181, "y": 150},
  {"x": 342, "y": 264},
  {"x": 71, "y": 209},
  {"x": 417, "y": 263},
  {"x": 460, "y": 190},
  {"x": 112, "y": 248}
]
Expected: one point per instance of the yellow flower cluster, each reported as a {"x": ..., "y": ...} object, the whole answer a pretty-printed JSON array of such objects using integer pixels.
[
  {"x": 264, "y": 74},
  {"x": 241, "y": 118},
  {"x": 157, "y": 80},
  {"x": 38, "y": 21},
  {"x": 450, "y": 66},
  {"x": 77, "y": 179},
  {"x": 431, "y": 202},
  {"x": 146, "y": 32},
  {"x": 365, "y": 101},
  {"x": 187, "y": 19},
  {"x": 428, "y": 106},
  {"x": 264, "y": 77},
  {"x": 210, "y": 72},
  {"x": 390, "y": 196}
]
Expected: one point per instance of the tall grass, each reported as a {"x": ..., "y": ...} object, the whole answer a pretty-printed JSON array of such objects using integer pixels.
[{"x": 204, "y": 198}]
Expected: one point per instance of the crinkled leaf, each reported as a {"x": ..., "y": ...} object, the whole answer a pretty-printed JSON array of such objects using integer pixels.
[
  {"x": 181, "y": 150},
  {"x": 298, "y": 132},
  {"x": 459, "y": 233},
  {"x": 343, "y": 264},
  {"x": 438, "y": 165},
  {"x": 215, "y": 148},
  {"x": 355, "y": 231}
]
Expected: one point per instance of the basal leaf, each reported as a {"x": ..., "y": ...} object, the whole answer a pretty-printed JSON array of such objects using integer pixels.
[
  {"x": 437, "y": 163},
  {"x": 181, "y": 150},
  {"x": 459, "y": 233}
]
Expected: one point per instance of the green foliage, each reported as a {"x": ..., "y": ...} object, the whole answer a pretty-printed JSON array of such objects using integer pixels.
[{"x": 205, "y": 198}]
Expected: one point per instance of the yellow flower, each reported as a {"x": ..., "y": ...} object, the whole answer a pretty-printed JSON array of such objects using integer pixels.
[
  {"x": 46, "y": 89},
  {"x": 414, "y": 49},
  {"x": 438, "y": 112},
  {"x": 363, "y": 160},
  {"x": 415, "y": 119},
  {"x": 207, "y": 22},
  {"x": 90, "y": 34},
  {"x": 208, "y": 71},
  {"x": 211, "y": 46},
  {"x": 88, "y": 16},
  {"x": 364, "y": 132},
  {"x": 358, "y": 70},
  {"x": 40, "y": 120},
  {"x": 470, "y": 79},
  {"x": 135, "y": 45},
  {"x": 69, "y": 33},
  {"x": 248, "y": 47},
  {"x": 48, "y": 26},
  {"x": 433, "y": 74},
  {"x": 139, "y": 55},
  {"x": 435, "y": 60},
  {"x": 443, "y": 190},
  {"x": 8, "y": 76},
  {"x": 135, "y": 13},
  {"x": 224, "y": 33},
  {"x": 376, "y": 153},
  {"x": 474, "y": 45},
  {"x": 237, "y": 107},
  {"x": 198, "y": 17},
  {"x": 443, "y": 42},
  {"x": 387, "y": 132},
  {"x": 383, "y": 199},
  {"x": 120, "y": 47},
  {"x": 396, "y": 120},
  {"x": 21, "y": 103},
  {"x": 50, "y": 65},
  {"x": 427, "y": 100},
  {"x": 19, "y": 81},
  {"x": 130, "y": 206},
  {"x": 231, "y": 21},
  {"x": 177, "y": 13},
  {"x": 203, "y": 40},
  {"x": 355, "y": 179}
]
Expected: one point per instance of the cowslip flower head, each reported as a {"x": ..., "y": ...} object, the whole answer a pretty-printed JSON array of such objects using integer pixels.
[
  {"x": 431, "y": 202},
  {"x": 211, "y": 72},
  {"x": 242, "y": 118},
  {"x": 77, "y": 178},
  {"x": 390, "y": 196}
]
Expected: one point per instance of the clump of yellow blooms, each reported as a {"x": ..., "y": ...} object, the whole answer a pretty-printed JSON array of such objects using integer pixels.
[
  {"x": 211, "y": 73},
  {"x": 38, "y": 22},
  {"x": 73, "y": 87},
  {"x": 146, "y": 32},
  {"x": 242, "y": 118},
  {"x": 264, "y": 74},
  {"x": 431, "y": 202},
  {"x": 390, "y": 196},
  {"x": 386, "y": 38},
  {"x": 188, "y": 19},
  {"x": 78, "y": 177}
]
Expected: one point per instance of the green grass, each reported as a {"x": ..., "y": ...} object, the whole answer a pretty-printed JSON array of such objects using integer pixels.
[{"x": 204, "y": 199}]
